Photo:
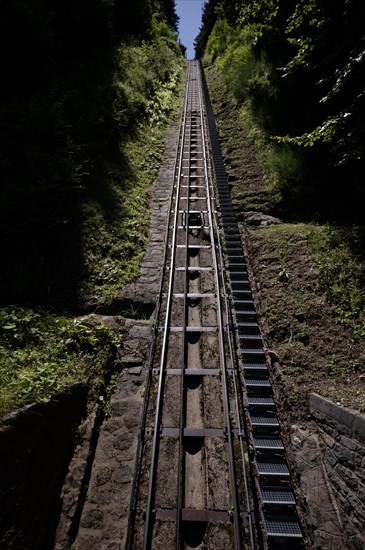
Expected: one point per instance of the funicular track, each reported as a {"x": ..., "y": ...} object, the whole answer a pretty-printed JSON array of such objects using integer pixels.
[{"x": 195, "y": 483}]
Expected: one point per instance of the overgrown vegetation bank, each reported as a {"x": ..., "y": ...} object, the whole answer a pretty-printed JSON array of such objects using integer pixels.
[
  {"x": 88, "y": 97},
  {"x": 296, "y": 152}
]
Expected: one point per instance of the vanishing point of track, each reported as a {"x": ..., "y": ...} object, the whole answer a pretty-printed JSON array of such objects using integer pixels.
[{"x": 210, "y": 467}]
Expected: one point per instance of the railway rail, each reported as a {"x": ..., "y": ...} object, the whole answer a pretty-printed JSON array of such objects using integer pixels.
[{"x": 210, "y": 468}]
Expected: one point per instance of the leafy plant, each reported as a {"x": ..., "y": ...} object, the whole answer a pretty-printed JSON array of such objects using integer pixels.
[
  {"x": 41, "y": 354},
  {"x": 284, "y": 276}
]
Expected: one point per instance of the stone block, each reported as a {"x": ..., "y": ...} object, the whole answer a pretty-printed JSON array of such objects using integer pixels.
[
  {"x": 348, "y": 443},
  {"x": 356, "y": 542},
  {"x": 123, "y": 475},
  {"x": 337, "y": 482},
  {"x": 328, "y": 440},
  {"x": 343, "y": 418},
  {"x": 122, "y": 444},
  {"x": 88, "y": 539},
  {"x": 361, "y": 495},
  {"x": 344, "y": 456},
  {"x": 331, "y": 458},
  {"x": 359, "y": 428},
  {"x": 331, "y": 431},
  {"x": 357, "y": 460},
  {"x": 347, "y": 477},
  {"x": 113, "y": 546},
  {"x": 360, "y": 472},
  {"x": 361, "y": 452},
  {"x": 352, "y": 483},
  {"x": 94, "y": 519}
]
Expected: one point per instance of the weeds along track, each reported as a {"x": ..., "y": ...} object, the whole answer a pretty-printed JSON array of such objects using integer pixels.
[{"x": 210, "y": 469}]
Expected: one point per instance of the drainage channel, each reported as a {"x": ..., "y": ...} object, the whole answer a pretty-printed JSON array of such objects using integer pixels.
[{"x": 276, "y": 500}]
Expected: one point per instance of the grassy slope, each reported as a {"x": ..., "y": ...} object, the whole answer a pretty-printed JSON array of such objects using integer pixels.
[{"x": 308, "y": 278}]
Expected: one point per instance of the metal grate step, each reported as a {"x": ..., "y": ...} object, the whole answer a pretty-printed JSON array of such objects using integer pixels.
[
  {"x": 282, "y": 528},
  {"x": 272, "y": 468},
  {"x": 241, "y": 293},
  {"x": 253, "y": 339},
  {"x": 232, "y": 232},
  {"x": 241, "y": 283},
  {"x": 239, "y": 286},
  {"x": 268, "y": 442},
  {"x": 277, "y": 495},
  {"x": 234, "y": 274},
  {"x": 234, "y": 255},
  {"x": 248, "y": 327},
  {"x": 233, "y": 239},
  {"x": 252, "y": 352},
  {"x": 228, "y": 220},
  {"x": 238, "y": 265},
  {"x": 251, "y": 367},
  {"x": 257, "y": 383},
  {"x": 246, "y": 303},
  {"x": 261, "y": 401},
  {"x": 245, "y": 315},
  {"x": 264, "y": 420}
]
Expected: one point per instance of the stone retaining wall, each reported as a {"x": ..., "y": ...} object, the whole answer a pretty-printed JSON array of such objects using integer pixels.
[
  {"x": 104, "y": 509},
  {"x": 35, "y": 447},
  {"x": 342, "y": 437}
]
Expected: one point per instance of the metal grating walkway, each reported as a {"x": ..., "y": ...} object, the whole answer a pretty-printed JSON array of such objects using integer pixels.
[{"x": 262, "y": 418}]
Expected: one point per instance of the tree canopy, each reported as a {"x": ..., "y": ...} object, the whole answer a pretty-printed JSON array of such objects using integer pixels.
[
  {"x": 78, "y": 79},
  {"x": 301, "y": 65}
]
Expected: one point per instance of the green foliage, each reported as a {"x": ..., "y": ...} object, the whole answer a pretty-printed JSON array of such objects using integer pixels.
[
  {"x": 167, "y": 9},
  {"x": 284, "y": 170},
  {"x": 247, "y": 75},
  {"x": 284, "y": 276},
  {"x": 64, "y": 133},
  {"x": 41, "y": 354},
  {"x": 253, "y": 11},
  {"x": 325, "y": 133},
  {"x": 342, "y": 272},
  {"x": 306, "y": 14},
  {"x": 217, "y": 41},
  {"x": 88, "y": 95},
  {"x": 148, "y": 80},
  {"x": 209, "y": 17},
  {"x": 296, "y": 67}
]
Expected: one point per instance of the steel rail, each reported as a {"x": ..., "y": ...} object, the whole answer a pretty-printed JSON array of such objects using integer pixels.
[
  {"x": 153, "y": 467},
  {"x": 198, "y": 154},
  {"x": 181, "y": 461},
  {"x": 233, "y": 480},
  {"x": 154, "y": 331}
]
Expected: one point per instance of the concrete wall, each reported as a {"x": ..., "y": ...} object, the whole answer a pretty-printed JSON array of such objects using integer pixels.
[
  {"x": 35, "y": 448},
  {"x": 342, "y": 436}
]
